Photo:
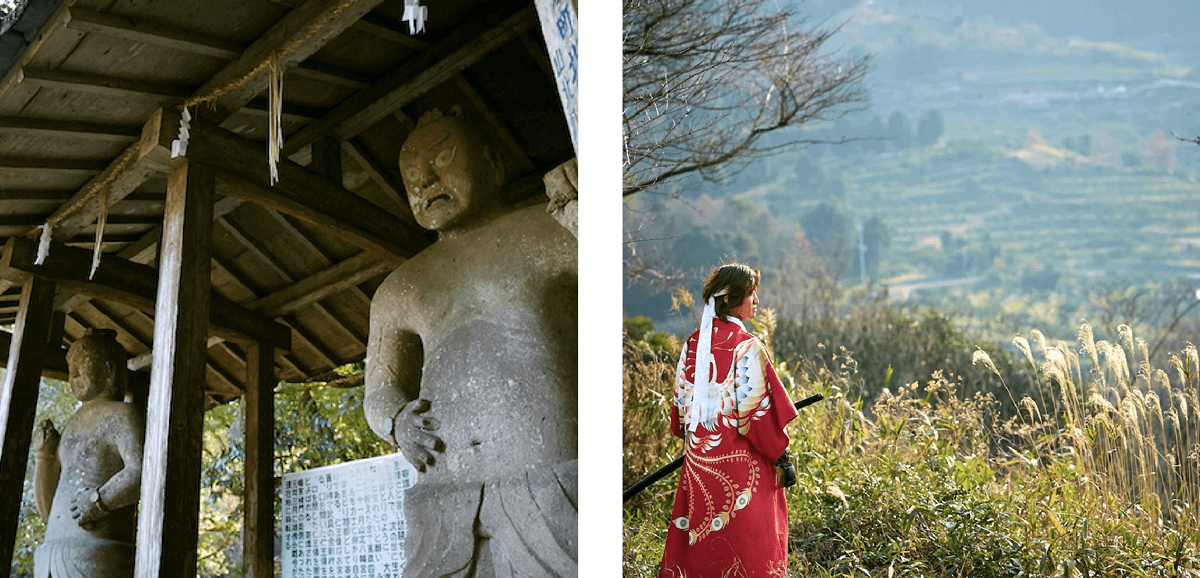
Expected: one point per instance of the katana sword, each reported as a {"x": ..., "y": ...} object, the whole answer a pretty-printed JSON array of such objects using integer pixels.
[{"x": 677, "y": 463}]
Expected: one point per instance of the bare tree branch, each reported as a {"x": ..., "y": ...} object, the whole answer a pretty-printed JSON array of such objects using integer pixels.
[{"x": 709, "y": 87}]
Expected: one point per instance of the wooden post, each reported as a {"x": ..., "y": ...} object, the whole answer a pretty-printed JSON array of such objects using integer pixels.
[
  {"x": 168, "y": 523},
  {"x": 258, "y": 553},
  {"x": 327, "y": 159},
  {"x": 18, "y": 402}
]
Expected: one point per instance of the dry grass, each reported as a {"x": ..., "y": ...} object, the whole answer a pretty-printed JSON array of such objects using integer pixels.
[{"x": 1092, "y": 472}]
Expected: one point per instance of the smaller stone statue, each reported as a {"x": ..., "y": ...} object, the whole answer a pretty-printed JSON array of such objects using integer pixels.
[{"x": 88, "y": 479}]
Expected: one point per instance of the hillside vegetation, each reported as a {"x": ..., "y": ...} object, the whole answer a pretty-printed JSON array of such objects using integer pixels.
[{"x": 1091, "y": 473}]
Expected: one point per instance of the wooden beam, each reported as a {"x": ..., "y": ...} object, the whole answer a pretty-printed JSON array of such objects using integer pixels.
[
  {"x": 296, "y": 335},
  {"x": 500, "y": 129},
  {"x": 168, "y": 526},
  {"x": 332, "y": 75},
  {"x": 383, "y": 178},
  {"x": 134, "y": 285},
  {"x": 39, "y": 163},
  {"x": 56, "y": 22},
  {"x": 149, "y": 156},
  {"x": 36, "y": 195},
  {"x": 297, "y": 36},
  {"x": 54, "y": 360},
  {"x": 104, "y": 85},
  {"x": 291, "y": 112},
  {"x": 301, "y": 194},
  {"x": 18, "y": 405},
  {"x": 463, "y": 47},
  {"x": 259, "y": 515},
  {"x": 387, "y": 29},
  {"x": 320, "y": 285},
  {"x": 19, "y": 219},
  {"x": 150, "y": 33},
  {"x": 74, "y": 130}
]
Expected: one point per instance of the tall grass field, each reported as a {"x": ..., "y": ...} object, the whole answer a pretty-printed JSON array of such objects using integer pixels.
[{"x": 1090, "y": 471}]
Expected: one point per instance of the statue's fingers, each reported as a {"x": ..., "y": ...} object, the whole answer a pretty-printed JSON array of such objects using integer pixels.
[
  {"x": 426, "y": 423},
  {"x": 428, "y": 440},
  {"x": 418, "y": 457},
  {"x": 420, "y": 406}
]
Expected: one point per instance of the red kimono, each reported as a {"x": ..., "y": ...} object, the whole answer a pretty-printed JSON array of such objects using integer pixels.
[{"x": 730, "y": 517}]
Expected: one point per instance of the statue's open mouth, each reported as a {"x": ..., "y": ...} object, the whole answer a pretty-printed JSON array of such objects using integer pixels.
[{"x": 431, "y": 200}]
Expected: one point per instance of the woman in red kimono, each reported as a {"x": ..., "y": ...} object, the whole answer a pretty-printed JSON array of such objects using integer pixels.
[{"x": 730, "y": 517}]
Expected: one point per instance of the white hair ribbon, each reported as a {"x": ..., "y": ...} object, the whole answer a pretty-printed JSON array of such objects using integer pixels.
[{"x": 704, "y": 404}]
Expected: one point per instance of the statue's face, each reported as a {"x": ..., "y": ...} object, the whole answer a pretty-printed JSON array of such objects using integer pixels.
[
  {"x": 451, "y": 181},
  {"x": 92, "y": 378}
]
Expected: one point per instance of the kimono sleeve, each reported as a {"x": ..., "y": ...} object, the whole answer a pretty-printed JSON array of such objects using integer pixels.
[
  {"x": 764, "y": 406},
  {"x": 682, "y": 386}
]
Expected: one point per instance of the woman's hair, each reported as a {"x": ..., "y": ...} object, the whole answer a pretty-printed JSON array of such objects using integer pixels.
[{"x": 738, "y": 281}]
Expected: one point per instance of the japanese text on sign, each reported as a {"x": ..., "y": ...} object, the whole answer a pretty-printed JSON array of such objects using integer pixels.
[
  {"x": 346, "y": 520},
  {"x": 559, "y": 27}
]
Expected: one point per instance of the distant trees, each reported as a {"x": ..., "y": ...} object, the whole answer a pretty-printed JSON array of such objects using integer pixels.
[
  {"x": 712, "y": 88},
  {"x": 899, "y": 130},
  {"x": 929, "y": 128},
  {"x": 1158, "y": 151}
]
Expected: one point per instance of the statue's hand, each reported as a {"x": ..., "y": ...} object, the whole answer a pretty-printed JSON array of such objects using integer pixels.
[
  {"x": 411, "y": 429},
  {"x": 45, "y": 439},
  {"x": 84, "y": 510}
]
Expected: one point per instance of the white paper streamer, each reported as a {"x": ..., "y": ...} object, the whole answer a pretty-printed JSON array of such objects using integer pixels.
[
  {"x": 180, "y": 144},
  {"x": 43, "y": 249},
  {"x": 415, "y": 15},
  {"x": 275, "y": 117}
]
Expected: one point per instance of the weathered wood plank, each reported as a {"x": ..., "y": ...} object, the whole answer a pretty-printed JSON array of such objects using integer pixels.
[
  {"x": 54, "y": 359},
  {"x": 39, "y": 163},
  {"x": 37, "y": 195},
  {"x": 320, "y": 285},
  {"x": 149, "y": 156},
  {"x": 300, "y": 193},
  {"x": 298, "y": 35},
  {"x": 76, "y": 130},
  {"x": 18, "y": 404},
  {"x": 386, "y": 29},
  {"x": 259, "y": 515},
  {"x": 332, "y": 75},
  {"x": 56, "y": 21},
  {"x": 134, "y": 285},
  {"x": 105, "y": 85},
  {"x": 150, "y": 33},
  {"x": 168, "y": 525},
  {"x": 433, "y": 66},
  {"x": 383, "y": 178}
]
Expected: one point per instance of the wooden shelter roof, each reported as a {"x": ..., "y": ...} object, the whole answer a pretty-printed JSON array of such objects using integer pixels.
[{"x": 92, "y": 101}]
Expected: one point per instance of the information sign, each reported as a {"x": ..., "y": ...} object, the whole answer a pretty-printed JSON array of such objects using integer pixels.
[{"x": 347, "y": 519}]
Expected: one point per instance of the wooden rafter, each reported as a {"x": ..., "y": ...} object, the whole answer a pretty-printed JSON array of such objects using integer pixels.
[
  {"x": 301, "y": 194},
  {"x": 381, "y": 177},
  {"x": 433, "y": 66},
  {"x": 151, "y": 33},
  {"x": 298, "y": 35},
  {"x": 134, "y": 285},
  {"x": 146, "y": 158},
  {"x": 272, "y": 264},
  {"x": 104, "y": 85},
  {"x": 499, "y": 128},
  {"x": 74, "y": 130},
  {"x": 39, "y": 163},
  {"x": 301, "y": 337}
]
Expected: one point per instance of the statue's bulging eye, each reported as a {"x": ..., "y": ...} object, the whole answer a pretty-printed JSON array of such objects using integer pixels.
[
  {"x": 445, "y": 157},
  {"x": 412, "y": 173}
]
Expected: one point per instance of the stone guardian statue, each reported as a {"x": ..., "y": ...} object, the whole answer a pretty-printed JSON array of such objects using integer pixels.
[
  {"x": 471, "y": 369},
  {"x": 87, "y": 481}
]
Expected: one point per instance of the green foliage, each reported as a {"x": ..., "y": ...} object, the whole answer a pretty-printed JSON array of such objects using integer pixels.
[
  {"x": 315, "y": 426},
  {"x": 933, "y": 481}
]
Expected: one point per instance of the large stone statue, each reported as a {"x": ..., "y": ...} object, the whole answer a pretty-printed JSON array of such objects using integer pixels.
[
  {"x": 88, "y": 480},
  {"x": 471, "y": 369}
]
